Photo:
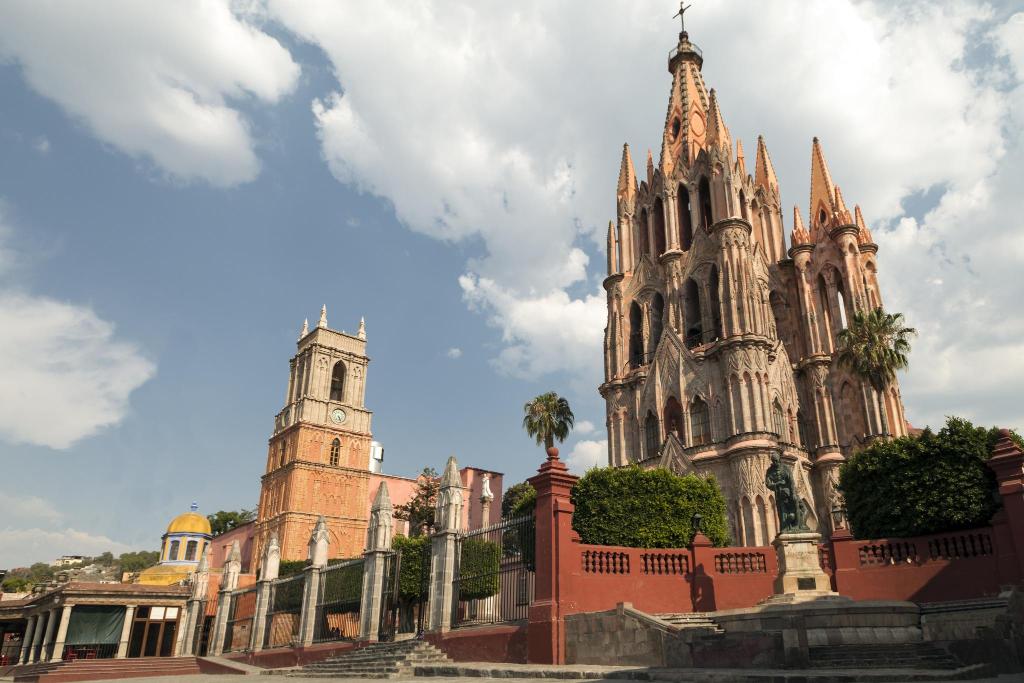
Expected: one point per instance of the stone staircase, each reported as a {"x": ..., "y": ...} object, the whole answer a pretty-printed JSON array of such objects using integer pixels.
[
  {"x": 380, "y": 660},
  {"x": 105, "y": 669},
  {"x": 878, "y": 656},
  {"x": 691, "y": 620}
]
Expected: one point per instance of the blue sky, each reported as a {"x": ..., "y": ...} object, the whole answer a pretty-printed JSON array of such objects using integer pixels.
[{"x": 178, "y": 190}]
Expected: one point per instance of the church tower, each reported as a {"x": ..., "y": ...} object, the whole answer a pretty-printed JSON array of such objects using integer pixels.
[
  {"x": 720, "y": 344},
  {"x": 318, "y": 458}
]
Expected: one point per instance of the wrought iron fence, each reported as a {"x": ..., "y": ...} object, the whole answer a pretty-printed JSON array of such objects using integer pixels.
[
  {"x": 240, "y": 615},
  {"x": 387, "y": 627},
  {"x": 201, "y": 635},
  {"x": 89, "y": 651},
  {"x": 338, "y": 601},
  {"x": 284, "y": 609},
  {"x": 494, "y": 577}
]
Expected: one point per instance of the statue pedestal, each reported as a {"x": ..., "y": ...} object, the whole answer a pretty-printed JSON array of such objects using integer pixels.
[{"x": 800, "y": 574}]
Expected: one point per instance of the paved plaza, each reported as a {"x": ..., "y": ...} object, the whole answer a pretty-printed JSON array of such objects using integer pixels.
[{"x": 793, "y": 675}]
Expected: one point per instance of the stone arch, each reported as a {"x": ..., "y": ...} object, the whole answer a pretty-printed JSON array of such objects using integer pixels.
[
  {"x": 338, "y": 382},
  {"x": 673, "y": 418},
  {"x": 335, "y": 455},
  {"x": 659, "y": 227},
  {"x": 841, "y": 302},
  {"x": 825, "y": 314},
  {"x": 636, "y": 335},
  {"x": 749, "y": 526},
  {"x": 704, "y": 200},
  {"x": 700, "y": 422},
  {"x": 652, "y": 439},
  {"x": 685, "y": 218},
  {"x": 779, "y": 420},
  {"x": 692, "y": 320},
  {"x": 762, "y": 521}
]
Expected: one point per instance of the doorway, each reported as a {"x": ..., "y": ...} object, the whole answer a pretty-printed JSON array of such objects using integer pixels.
[{"x": 153, "y": 631}]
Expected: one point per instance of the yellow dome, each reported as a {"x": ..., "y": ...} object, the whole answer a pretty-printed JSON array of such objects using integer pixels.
[{"x": 190, "y": 523}]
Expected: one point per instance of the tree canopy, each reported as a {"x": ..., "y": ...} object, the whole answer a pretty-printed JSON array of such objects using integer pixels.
[
  {"x": 548, "y": 417},
  {"x": 875, "y": 345},
  {"x": 223, "y": 521},
  {"x": 917, "y": 485},
  {"x": 419, "y": 511},
  {"x": 518, "y": 499},
  {"x": 633, "y": 507}
]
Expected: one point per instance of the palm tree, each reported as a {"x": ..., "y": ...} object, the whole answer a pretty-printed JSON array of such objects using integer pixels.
[
  {"x": 548, "y": 417},
  {"x": 874, "y": 346}
]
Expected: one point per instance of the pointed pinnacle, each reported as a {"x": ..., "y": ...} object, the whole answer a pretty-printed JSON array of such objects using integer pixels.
[
  {"x": 627, "y": 175},
  {"x": 323, "y": 316},
  {"x": 764, "y": 171},
  {"x": 650, "y": 166}
]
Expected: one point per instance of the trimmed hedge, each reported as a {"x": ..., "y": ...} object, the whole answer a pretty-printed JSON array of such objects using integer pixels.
[
  {"x": 637, "y": 508},
  {"x": 409, "y": 579},
  {"x": 918, "y": 485},
  {"x": 479, "y": 567}
]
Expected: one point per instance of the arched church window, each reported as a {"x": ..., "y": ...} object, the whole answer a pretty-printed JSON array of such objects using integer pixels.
[
  {"x": 685, "y": 218},
  {"x": 674, "y": 417},
  {"x": 172, "y": 551},
  {"x": 335, "y": 452},
  {"x": 842, "y": 302},
  {"x": 779, "y": 420},
  {"x": 822, "y": 217},
  {"x": 657, "y": 321},
  {"x": 743, "y": 205},
  {"x": 716, "y": 306},
  {"x": 636, "y": 335},
  {"x": 659, "y": 227},
  {"x": 704, "y": 197},
  {"x": 284, "y": 446},
  {"x": 700, "y": 424},
  {"x": 826, "y": 313},
  {"x": 338, "y": 382},
  {"x": 693, "y": 322},
  {"x": 651, "y": 440},
  {"x": 641, "y": 227},
  {"x": 190, "y": 551}
]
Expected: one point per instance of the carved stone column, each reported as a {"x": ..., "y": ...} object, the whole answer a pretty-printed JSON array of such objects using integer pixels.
[
  {"x": 195, "y": 608},
  {"x": 444, "y": 548},
  {"x": 378, "y": 548},
  {"x": 271, "y": 567},
  {"x": 229, "y": 581},
  {"x": 319, "y": 542}
]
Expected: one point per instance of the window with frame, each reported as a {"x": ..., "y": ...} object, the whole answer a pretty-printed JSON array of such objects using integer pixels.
[
  {"x": 191, "y": 548},
  {"x": 335, "y": 452},
  {"x": 338, "y": 382},
  {"x": 700, "y": 424},
  {"x": 172, "y": 550}
]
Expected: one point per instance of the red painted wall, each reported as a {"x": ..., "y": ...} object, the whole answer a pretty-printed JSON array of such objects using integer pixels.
[{"x": 504, "y": 643}]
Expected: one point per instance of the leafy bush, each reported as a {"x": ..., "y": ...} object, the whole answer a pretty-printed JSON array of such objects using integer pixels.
[
  {"x": 415, "y": 551},
  {"x": 292, "y": 567},
  {"x": 927, "y": 484},
  {"x": 344, "y": 586},
  {"x": 518, "y": 499},
  {"x": 479, "y": 566},
  {"x": 637, "y": 508}
]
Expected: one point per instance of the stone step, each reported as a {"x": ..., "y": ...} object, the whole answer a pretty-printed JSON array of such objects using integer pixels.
[{"x": 378, "y": 660}]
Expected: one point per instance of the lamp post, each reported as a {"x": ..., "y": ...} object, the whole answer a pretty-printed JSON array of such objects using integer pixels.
[
  {"x": 840, "y": 527},
  {"x": 695, "y": 522}
]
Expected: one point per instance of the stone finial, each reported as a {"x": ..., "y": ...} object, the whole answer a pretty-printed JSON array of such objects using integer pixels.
[
  {"x": 627, "y": 176},
  {"x": 319, "y": 542},
  {"x": 741, "y": 161},
  {"x": 718, "y": 132},
  {"x": 232, "y": 567},
  {"x": 382, "y": 524},
  {"x": 800, "y": 234},
  {"x": 844, "y": 213},
  {"x": 204, "y": 560},
  {"x": 650, "y": 168},
  {"x": 448, "y": 513},
  {"x": 194, "y": 507},
  {"x": 823, "y": 192},
  {"x": 271, "y": 559},
  {"x": 323, "y": 316},
  {"x": 305, "y": 328},
  {"x": 362, "y": 328},
  {"x": 863, "y": 234},
  {"x": 201, "y": 577},
  {"x": 486, "y": 495},
  {"x": 1005, "y": 445},
  {"x": 764, "y": 171}
]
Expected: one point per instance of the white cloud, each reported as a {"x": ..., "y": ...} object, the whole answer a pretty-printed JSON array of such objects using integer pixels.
[
  {"x": 22, "y": 547},
  {"x": 42, "y": 145},
  {"x": 27, "y": 508},
  {"x": 584, "y": 427},
  {"x": 154, "y": 80},
  {"x": 502, "y": 127},
  {"x": 588, "y": 454},
  {"x": 65, "y": 374},
  {"x": 454, "y": 353}
]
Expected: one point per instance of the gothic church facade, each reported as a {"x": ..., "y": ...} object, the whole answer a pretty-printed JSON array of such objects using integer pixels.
[{"x": 720, "y": 346}]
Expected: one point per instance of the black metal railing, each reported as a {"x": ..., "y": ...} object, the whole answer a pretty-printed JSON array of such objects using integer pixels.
[
  {"x": 284, "y": 610},
  {"x": 201, "y": 636},
  {"x": 89, "y": 651},
  {"x": 387, "y": 627},
  {"x": 240, "y": 615},
  {"x": 494, "y": 577},
  {"x": 338, "y": 601}
]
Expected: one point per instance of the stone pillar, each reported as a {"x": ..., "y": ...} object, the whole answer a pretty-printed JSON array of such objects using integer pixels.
[
  {"x": 271, "y": 567},
  {"x": 378, "y": 547},
  {"x": 195, "y": 608},
  {"x": 444, "y": 548},
  {"x": 702, "y": 554},
  {"x": 34, "y": 653},
  {"x": 126, "y": 632},
  {"x": 319, "y": 544},
  {"x": 546, "y": 634},
  {"x": 62, "y": 634},
  {"x": 229, "y": 581},
  {"x": 487, "y": 607},
  {"x": 1007, "y": 462},
  {"x": 51, "y": 623},
  {"x": 26, "y": 645}
]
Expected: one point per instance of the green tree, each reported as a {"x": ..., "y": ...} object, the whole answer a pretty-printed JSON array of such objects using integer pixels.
[
  {"x": 16, "y": 584},
  {"x": 419, "y": 511},
  {"x": 874, "y": 346},
  {"x": 548, "y": 417},
  {"x": 222, "y": 521},
  {"x": 413, "y": 577},
  {"x": 638, "y": 508},
  {"x": 106, "y": 559},
  {"x": 518, "y": 499},
  {"x": 137, "y": 561},
  {"x": 916, "y": 485}
]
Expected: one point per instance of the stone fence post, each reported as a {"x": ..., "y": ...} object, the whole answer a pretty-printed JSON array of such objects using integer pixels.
[
  {"x": 1007, "y": 462},
  {"x": 228, "y": 583},
  {"x": 195, "y": 607},
  {"x": 444, "y": 548},
  {"x": 378, "y": 547},
  {"x": 264, "y": 587},
  {"x": 319, "y": 544},
  {"x": 546, "y": 634}
]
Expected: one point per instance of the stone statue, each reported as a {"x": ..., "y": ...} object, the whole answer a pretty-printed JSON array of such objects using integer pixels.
[{"x": 779, "y": 480}]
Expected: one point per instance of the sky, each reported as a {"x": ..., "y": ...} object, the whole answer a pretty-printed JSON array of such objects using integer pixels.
[{"x": 182, "y": 184}]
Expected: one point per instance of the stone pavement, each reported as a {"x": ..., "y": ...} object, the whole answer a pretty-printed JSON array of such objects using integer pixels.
[{"x": 782, "y": 677}]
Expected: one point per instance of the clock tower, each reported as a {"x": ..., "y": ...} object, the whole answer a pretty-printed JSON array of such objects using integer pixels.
[{"x": 318, "y": 458}]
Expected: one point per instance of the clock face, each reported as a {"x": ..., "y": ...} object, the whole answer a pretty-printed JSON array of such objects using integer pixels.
[{"x": 338, "y": 416}]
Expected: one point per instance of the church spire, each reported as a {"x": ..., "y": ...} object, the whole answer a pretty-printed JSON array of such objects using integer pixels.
[
  {"x": 650, "y": 168},
  {"x": 323, "y": 316},
  {"x": 627, "y": 176},
  {"x": 800, "y": 234},
  {"x": 718, "y": 132},
  {"x": 764, "y": 172},
  {"x": 823, "y": 191},
  {"x": 305, "y": 328},
  {"x": 686, "y": 121},
  {"x": 362, "y": 328},
  {"x": 741, "y": 162}
]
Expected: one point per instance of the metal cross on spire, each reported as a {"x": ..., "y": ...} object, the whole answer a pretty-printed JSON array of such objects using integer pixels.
[{"x": 682, "y": 14}]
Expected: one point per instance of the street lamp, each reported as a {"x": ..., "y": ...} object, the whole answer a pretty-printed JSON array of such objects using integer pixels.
[{"x": 695, "y": 522}]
